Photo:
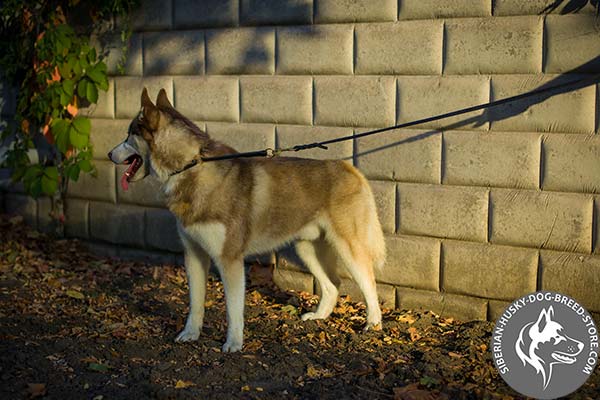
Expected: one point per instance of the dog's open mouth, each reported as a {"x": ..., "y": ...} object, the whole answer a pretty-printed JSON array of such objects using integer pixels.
[
  {"x": 563, "y": 358},
  {"x": 134, "y": 162}
]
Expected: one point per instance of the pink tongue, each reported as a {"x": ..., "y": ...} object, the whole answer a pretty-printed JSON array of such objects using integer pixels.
[
  {"x": 124, "y": 183},
  {"x": 130, "y": 171}
]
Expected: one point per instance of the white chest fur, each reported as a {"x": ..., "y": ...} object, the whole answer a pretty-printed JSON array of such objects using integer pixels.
[{"x": 210, "y": 236}]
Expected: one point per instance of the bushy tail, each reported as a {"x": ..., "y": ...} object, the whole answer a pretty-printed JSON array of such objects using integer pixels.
[{"x": 375, "y": 238}]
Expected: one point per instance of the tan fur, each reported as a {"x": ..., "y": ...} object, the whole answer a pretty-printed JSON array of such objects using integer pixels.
[{"x": 230, "y": 209}]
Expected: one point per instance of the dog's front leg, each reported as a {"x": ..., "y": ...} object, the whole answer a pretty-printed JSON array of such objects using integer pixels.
[
  {"x": 197, "y": 264},
  {"x": 232, "y": 274}
]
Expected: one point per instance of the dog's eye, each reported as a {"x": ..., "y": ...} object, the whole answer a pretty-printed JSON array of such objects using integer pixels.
[{"x": 558, "y": 339}]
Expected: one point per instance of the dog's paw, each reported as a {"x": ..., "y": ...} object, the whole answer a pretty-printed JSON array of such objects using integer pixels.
[
  {"x": 188, "y": 335},
  {"x": 310, "y": 316},
  {"x": 372, "y": 326},
  {"x": 231, "y": 346}
]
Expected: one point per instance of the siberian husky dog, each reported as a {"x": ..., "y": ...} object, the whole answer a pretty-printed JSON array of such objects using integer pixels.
[
  {"x": 233, "y": 208},
  {"x": 544, "y": 343}
]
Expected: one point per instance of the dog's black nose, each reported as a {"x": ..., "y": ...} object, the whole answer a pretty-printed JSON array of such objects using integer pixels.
[{"x": 110, "y": 155}]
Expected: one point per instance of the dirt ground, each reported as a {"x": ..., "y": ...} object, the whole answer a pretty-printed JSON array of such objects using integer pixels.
[{"x": 75, "y": 326}]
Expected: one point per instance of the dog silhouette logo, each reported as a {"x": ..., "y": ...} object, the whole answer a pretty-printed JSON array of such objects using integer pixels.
[{"x": 545, "y": 345}]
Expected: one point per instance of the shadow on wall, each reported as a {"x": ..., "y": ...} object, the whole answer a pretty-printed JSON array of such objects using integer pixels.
[
  {"x": 572, "y": 6},
  {"x": 515, "y": 108}
]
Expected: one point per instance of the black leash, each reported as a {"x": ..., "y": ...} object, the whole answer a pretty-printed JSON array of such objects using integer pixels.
[{"x": 323, "y": 144}]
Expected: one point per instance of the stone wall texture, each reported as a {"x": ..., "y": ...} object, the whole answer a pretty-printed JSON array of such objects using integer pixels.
[{"x": 477, "y": 209}]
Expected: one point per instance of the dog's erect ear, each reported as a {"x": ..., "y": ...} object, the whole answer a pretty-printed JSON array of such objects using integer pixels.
[
  {"x": 145, "y": 100},
  {"x": 544, "y": 318},
  {"x": 162, "y": 101},
  {"x": 149, "y": 111}
]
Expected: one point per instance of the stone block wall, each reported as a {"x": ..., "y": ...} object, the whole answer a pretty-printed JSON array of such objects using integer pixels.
[{"x": 477, "y": 209}]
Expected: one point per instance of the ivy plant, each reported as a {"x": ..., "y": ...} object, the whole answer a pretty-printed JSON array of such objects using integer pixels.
[{"x": 50, "y": 59}]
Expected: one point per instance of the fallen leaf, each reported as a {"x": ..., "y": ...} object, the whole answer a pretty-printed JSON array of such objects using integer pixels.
[
  {"x": 290, "y": 309},
  {"x": 312, "y": 372},
  {"x": 16, "y": 220},
  {"x": 75, "y": 294},
  {"x": 414, "y": 335},
  {"x": 98, "y": 367},
  {"x": 183, "y": 384},
  {"x": 245, "y": 388},
  {"x": 36, "y": 390},
  {"x": 455, "y": 355},
  {"x": 409, "y": 319}
]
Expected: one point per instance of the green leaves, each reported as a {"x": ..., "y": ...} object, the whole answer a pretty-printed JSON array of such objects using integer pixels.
[
  {"x": 74, "y": 133},
  {"x": 40, "y": 180},
  {"x": 80, "y": 132}
]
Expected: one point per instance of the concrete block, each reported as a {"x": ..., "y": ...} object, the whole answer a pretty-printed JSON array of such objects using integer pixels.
[
  {"x": 424, "y": 96},
  {"x": 447, "y": 305},
  {"x": 335, "y": 11},
  {"x": 496, "y": 308},
  {"x": 493, "y": 45},
  {"x": 276, "y": 12},
  {"x": 430, "y": 9},
  {"x": 291, "y": 135},
  {"x": 293, "y": 280},
  {"x": 540, "y": 7},
  {"x": 500, "y": 159},
  {"x": 77, "y": 218},
  {"x": 570, "y": 163},
  {"x": 355, "y": 101},
  {"x": 243, "y": 137},
  {"x": 161, "y": 230},
  {"x": 206, "y": 13},
  {"x": 412, "y": 262},
  {"x": 572, "y": 41},
  {"x": 484, "y": 270},
  {"x": 117, "y": 223},
  {"x": 100, "y": 249},
  {"x": 100, "y": 187},
  {"x": 316, "y": 49},
  {"x": 546, "y": 220},
  {"x": 572, "y": 111},
  {"x": 25, "y": 206},
  {"x": 129, "y": 91},
  {"x": 385, "y": 200},
  {"x": 289, "y": 260},
  {"x": 596, "y": 225},
  {"x": 240, "y": 51},
  {"x": 147, "y": 256},
  {"x": 113, "y": 49},
  {"x": 385, "y": 293},
  {"x": 276, "y": 99},
  {"x": 174, "y": 53},
  {"x": 406, "y": 155},
  {"x": 575, "y": 275},
  {"x": 106, "y": 134},
  {"x": 147, "y": 192},
  {"x": 405, "y": 48},
  {"x": 105, "y": 107},
  {"x": 208, "y": 98},
  {"x": 445, "y": 212},
  {"x": 152, "y": 15}
]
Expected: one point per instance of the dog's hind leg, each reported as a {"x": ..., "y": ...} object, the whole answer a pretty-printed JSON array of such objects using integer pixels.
[
  {"x": 197, "y": 264},
  {"x": 360, "y": 266},
  {"x": 307, "y": 253},
  {"x": 232, "y": 274}
]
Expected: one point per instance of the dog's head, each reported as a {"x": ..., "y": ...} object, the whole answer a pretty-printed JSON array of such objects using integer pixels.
[
  {"x": 544, "y": 343},
  {"x": 160, "y": 141}
]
